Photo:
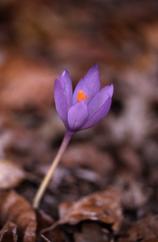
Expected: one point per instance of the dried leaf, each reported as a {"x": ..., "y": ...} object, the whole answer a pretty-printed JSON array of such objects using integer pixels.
[
  {"x": 11, "y": 174},
  {"x": 101, "y": 206},
  {"x": 14, "y": 208},
  {"x": 57, "y": 234},
  {"x": 8, "y": 233}
]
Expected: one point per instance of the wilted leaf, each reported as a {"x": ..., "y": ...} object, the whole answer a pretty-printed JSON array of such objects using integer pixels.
[
  {"x": 101, "y": 206},
  {"x": 14, "y": 208},
  {"x": 57, "y": 234},
  {"x": 8, "y": 233},
  {"x": 11, "y": 174}
]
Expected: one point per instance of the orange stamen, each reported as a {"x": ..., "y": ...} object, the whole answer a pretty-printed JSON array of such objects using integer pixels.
[{"x": 81, "y": 96}]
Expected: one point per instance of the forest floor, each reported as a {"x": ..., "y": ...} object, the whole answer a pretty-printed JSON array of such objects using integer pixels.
[{"x": 106, "y": 186}]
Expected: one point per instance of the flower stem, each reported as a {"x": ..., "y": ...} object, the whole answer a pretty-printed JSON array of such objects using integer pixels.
[{"x": 51, "y": 171}]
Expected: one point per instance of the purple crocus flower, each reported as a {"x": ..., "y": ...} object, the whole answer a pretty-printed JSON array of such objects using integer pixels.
[
  {"x": 87, "y": 105},
  {"x": 80, "y": 109}
]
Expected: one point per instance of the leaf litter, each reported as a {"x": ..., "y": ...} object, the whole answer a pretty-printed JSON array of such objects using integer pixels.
[{"x": 121, "y": 152}]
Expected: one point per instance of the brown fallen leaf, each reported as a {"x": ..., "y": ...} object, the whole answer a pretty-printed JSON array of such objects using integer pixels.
[
  {"x": 15, "y": 209},
  {"x": 103, "y": 206},
  {"x": 145, "y": 230},
  {"x": 11, "y": 174},
  {"x": 8, "y": 233},
  {"x": 57, "y": 235}
]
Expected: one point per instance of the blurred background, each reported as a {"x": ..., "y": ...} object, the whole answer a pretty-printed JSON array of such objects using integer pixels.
[{"x": 38, "y": 39}]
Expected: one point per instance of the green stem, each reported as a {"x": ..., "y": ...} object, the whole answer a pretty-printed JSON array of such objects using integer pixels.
[{"x": 51, "y": 171}]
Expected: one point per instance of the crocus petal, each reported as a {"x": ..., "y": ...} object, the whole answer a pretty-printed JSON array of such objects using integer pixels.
[
  {"x": 109, "y": 90},
  {"x": 77, "y": 115},
  {"x": 66, "y": 84},
  {"x": 100, "y": 114},
  {"x": 90, "y": 84},
  {"x": 63, "y": 95},
  {"x": 99, "y": 106},
  {"x": 99, "y": 99},
  {"x": 60, "y": 101}
]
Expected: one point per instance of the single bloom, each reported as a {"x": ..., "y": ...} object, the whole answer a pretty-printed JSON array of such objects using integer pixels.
[{"x": 87, "y": 105}]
